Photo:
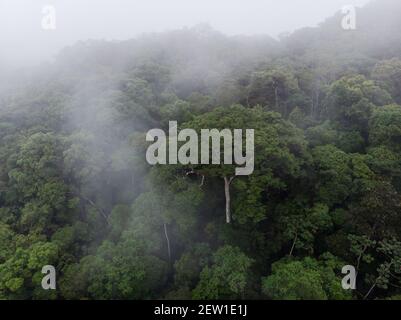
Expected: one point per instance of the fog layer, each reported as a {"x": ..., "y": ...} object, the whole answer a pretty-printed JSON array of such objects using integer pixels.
[{"x": 24, "y": 42}]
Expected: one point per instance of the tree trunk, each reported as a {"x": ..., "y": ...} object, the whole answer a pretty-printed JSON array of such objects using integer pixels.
[
  {"x": 227, "y": 182},
  {"x": 98, "y": 209},
  {"x": 168, "y": 243},
  {"x": 370, "y": 290},
  {"x": 293, "y": 244}
]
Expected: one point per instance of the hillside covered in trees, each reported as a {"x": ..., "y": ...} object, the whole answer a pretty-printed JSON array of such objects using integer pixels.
[{"x": 77, "y": 193}]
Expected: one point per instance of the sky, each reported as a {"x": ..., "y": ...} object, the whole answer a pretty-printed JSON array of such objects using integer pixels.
[{"x": 24, "y": 41}]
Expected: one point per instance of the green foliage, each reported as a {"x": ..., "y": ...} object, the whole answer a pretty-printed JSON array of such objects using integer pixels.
[
  {"x": 301, "y": 224},
  {"x": 227, "y": 277},
  {"x": 306, "y": 279},
  {"x": 119, "y": 271},
  {"x": 272, "y": 88},
  {"x": 190, "y": 265},
  {"x": 385, "y": 127},
  {"x": 334, "y": 173},
  {"x": 77, "y": 193},
  {"x": 388, "y": 74},
  {"x": 350, "y": 101}
]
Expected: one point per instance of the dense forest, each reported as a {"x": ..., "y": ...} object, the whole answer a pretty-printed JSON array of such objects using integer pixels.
[{"x": 77, "y": 193}]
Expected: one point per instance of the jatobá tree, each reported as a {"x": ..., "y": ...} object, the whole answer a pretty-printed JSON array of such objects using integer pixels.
[{"x": 278, "y": 155}]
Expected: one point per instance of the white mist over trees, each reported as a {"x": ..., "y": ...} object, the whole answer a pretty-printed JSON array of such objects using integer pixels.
[
  {"x": 77, "y": 193},
  {"x": 24, "y": 42}
]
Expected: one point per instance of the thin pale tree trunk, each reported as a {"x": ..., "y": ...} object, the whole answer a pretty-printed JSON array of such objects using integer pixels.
[
  {"x": 293, "y": 244},
  {"x": 168, "y": 242},
  {"x": 370, "y": 290},
  {"x": 227, "y": 182}
]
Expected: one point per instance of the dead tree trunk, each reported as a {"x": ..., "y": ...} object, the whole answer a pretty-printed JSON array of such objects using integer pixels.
[{"x": 227, "y": 182}]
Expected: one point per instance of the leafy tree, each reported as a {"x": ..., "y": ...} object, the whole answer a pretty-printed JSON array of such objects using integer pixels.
[
  {"x": 385, "y": 127},
  {"x": 388, "y": 74},
  {"x": 306, "y": 279},
  {"x": 301, "y": 224},
  {"x": 351, "y": 100},
  {"x": 279, "y": 152},
  {"x": 272, "y": 88},
  {"x": 227, "y": 277}
]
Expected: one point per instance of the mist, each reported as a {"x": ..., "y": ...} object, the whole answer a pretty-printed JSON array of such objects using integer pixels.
[
  {"x": 25, "y": 43},
  {"x": 321, "y": 97}
]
